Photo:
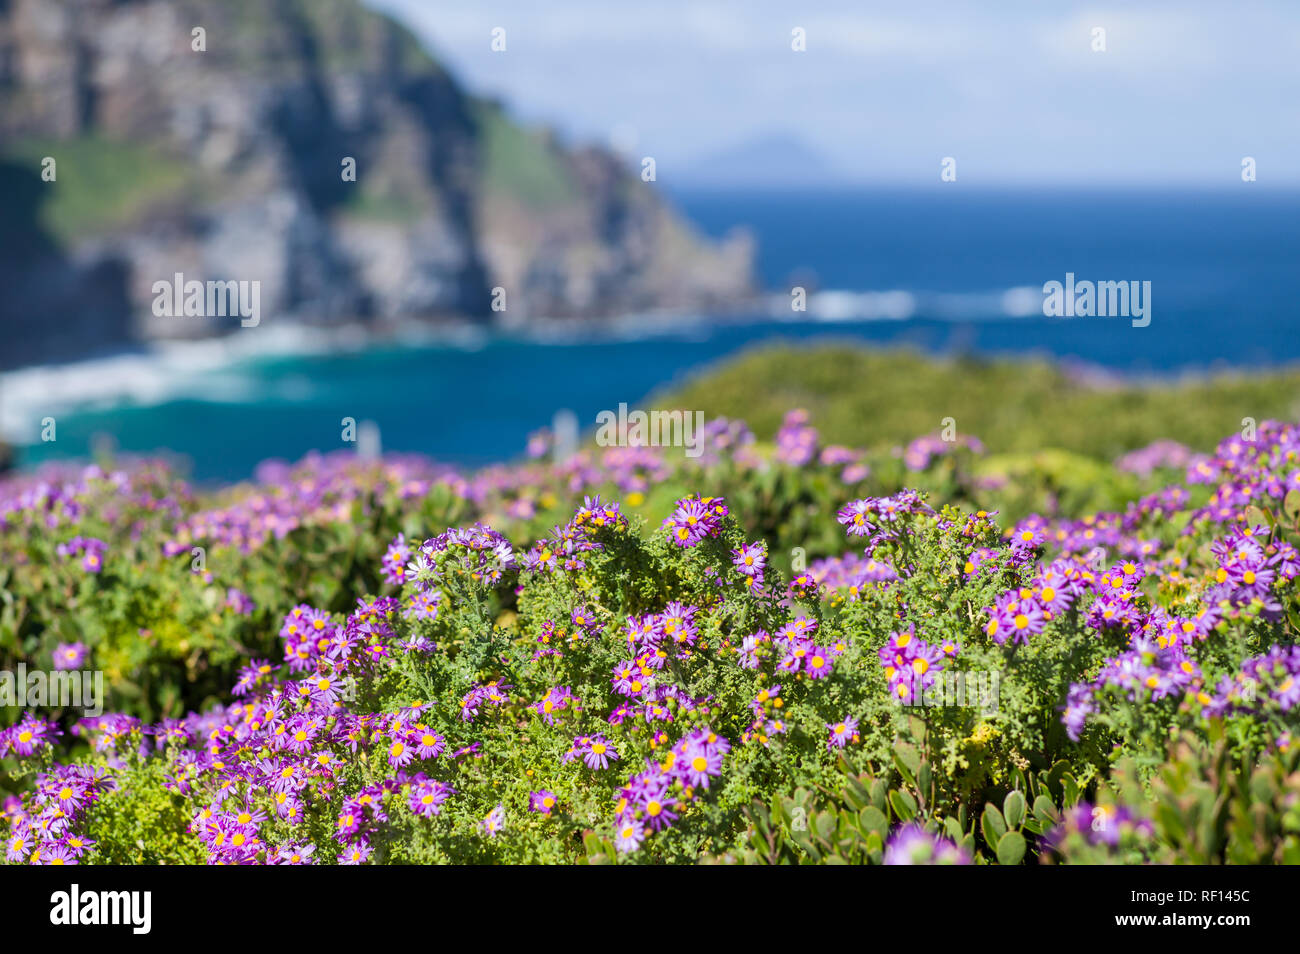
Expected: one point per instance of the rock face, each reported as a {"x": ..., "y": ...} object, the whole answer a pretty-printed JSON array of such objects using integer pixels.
[{"x": 144, "y": 138}]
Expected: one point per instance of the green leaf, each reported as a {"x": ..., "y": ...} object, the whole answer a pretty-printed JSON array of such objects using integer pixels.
[
  {"x": 879, "y": 793},
  {"x": 592, "y": 843},
  {"x": 993, "y": 823},
  {"x": 824, "y": 824},
  {"x": 908, "y": 760},
  {"x": 856, "y": 793},
  {"x": 1013, "y": 808},
  {"x": 1170, "y": 823},
  {"x": 904, "y": 805},
  {"x": 1011, "y": 848},
  {"x": 1055, "y": 776},
  {"x": 1044, "y": 810},
  {"x": 1256, "y": 517},
  {"x": 873, "y": 819}
]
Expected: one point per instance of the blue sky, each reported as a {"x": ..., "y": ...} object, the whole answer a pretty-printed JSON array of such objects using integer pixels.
[{"x": 1011, "y": 89}]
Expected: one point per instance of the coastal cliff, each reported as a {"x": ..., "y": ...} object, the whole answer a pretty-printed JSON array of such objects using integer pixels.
[{"x": 128, "y": 155}]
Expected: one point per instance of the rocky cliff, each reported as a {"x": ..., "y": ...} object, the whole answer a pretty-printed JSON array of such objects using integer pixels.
[{"x": 144, "y": 138}]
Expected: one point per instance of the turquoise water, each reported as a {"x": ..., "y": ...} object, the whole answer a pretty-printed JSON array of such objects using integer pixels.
[{"x": 1223, "y": 268}]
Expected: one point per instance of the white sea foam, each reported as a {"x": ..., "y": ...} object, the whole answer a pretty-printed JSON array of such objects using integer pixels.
[
  {"x": 861, "y": 306},
  {"x": 226, "y": 369},
  {"x": 213, "y": 369}
]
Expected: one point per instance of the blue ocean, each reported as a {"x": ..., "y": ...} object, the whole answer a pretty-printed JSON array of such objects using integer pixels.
[{"x": 947, "y": 271}]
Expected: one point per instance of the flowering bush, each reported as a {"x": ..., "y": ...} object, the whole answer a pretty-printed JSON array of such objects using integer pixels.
[
  {"x": 170, "y": 588},
  {"x": 660, "y": 679}
]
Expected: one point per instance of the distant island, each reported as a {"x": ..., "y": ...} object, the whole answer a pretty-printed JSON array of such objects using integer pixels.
[
  {"x": 314, "y": 147},
  {"x": 773, "y": 160}
]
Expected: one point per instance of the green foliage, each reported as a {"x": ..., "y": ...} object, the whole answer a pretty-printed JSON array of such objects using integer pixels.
[
  {"x": 519, "y": 162},
  {"x": 849, "y": 821},
  {"x": 873, "y": 398},
  {"x": 102, "y": 183},
  {"x": 1202, "y": 806},
  {"x": 142, "y": 823}
]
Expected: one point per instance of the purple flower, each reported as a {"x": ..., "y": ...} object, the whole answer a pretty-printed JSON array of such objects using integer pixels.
[
  {"x": 818, "y": 662},
  {"x": 90, "y": 549},
  {"x": 543, "y": 802},
  {"x": 699, "y": 764},
  {"x": 422, "y": 604},
  {"x": 599, "y": 753},
  {"x": 70, "y": 655},
  {"x": 842, "y": 733},
  {"x": 427, "y": 795},
  {"x": 395, "y": 559},
  {"x": 695, "y": 519},
  {"x": 750, "y": 560},
  {"x": 856, "y": 517},
  {"x": 58, "y": 854},
  {"x": 357, "y": 853},
  {"x": 28, "y": 736},
  {"x": 495, "y": 821},
  {"x": 294, "y": 854},
  {"x": 239, "y": 601},
  {"x": 629, "y": 835},
  {"x": 796, "y": 441},
  {"x": 556, "y": 700},
  {"x": 912, "y": 845},
  {"x": 1015, "y": 617}
]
